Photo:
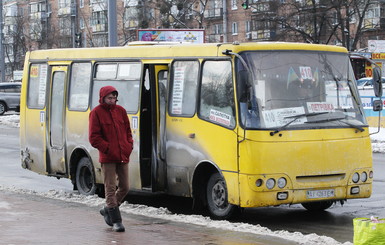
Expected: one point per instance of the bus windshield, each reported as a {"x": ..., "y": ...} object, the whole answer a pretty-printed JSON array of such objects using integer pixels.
[{"x": 297, "y": 90}]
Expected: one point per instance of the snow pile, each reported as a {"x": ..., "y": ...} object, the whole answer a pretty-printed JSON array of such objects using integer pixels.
[
  {"x": 10, "y": 120},
  {"x": 164, "y": 213},
  {"x": 378, "y": 140}
]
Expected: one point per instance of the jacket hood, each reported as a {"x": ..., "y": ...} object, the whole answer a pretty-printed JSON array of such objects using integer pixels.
[{"x": 104, "y": 91}]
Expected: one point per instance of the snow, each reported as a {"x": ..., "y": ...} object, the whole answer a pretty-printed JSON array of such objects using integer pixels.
[{"x": 378, "y": 145}]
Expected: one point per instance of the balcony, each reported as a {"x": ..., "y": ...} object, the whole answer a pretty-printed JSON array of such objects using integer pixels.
[
  {"x": 64, "y": 11},
  {"x": 9, "y": 39},
  {"x": 213, "y": 13},
  {"x": 263, "y": 35},
  {"x": 215, "y": 38},
  {"x": 371, "y": 23},
  {"x": 99, "y": 28}
]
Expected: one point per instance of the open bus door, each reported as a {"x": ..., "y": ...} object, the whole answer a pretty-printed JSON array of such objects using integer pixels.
[
  {"x": 56, "y": 164},
  {"x": 44, "y": 132},
  {"x": 151, "y": 125}
]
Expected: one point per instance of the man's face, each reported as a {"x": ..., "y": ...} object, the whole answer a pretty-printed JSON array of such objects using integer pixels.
[{"x": 110, "y": 99}]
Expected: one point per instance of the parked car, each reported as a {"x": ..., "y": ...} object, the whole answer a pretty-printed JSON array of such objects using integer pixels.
[
  {"x": 367, "y": 83},
  {"x": 10, "y": 97}
]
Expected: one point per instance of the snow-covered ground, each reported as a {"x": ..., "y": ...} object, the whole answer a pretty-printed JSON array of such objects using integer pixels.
[{"x": 378, "y": 142}]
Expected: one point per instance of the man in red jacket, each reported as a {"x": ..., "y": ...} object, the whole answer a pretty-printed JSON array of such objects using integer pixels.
[{"x": 110, "y": 133}]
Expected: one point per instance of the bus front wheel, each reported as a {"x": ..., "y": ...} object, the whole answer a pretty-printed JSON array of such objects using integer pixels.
[
  {"x": 216, "y": 195},
  {"x": 317, "y": 206},
  {"x": 85, "y": 178}
]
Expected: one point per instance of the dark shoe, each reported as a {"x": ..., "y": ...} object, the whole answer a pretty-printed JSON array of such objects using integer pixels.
[
  {"x": 104, "y": 213},
  {"x": 116, "y": 219}
]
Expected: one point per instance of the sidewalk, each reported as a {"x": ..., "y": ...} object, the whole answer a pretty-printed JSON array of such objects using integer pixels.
[{"x": 30, "y": 219}]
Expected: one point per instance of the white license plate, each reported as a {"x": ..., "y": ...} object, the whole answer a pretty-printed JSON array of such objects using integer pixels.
[{"x": 320, "y": 194}]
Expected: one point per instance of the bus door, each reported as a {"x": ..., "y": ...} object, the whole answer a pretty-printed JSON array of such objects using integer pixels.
[
  {"x": 151, "y": 124},
  {"x": 55, "y": 124},
  {"x": 34, "y": 148}
]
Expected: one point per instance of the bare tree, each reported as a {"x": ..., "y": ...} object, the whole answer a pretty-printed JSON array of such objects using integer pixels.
[
  {"x": 316, "y": 21},
  {"x": 137, "y": 14},
  {"x": 350, "y": 24}
]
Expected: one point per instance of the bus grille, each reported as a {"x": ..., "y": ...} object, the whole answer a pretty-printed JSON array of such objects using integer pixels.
[{"x": 320, "y": 178}]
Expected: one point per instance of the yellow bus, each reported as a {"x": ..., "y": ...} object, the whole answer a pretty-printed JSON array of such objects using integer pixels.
[{"x": 230, "y": 125}]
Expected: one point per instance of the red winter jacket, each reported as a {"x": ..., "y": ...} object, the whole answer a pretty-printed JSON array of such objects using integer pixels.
[{"x": 110, "y": 131}]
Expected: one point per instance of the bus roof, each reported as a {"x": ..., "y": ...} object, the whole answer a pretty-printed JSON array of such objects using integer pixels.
[{"x": 156, "y": 50}]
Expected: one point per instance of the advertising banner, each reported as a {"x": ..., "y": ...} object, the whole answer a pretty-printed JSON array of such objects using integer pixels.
[{"x": 172, "y": 35}]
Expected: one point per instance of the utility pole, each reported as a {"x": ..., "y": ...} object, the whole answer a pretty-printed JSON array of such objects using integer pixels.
[
  {"x": 112, "y": 24},
  {"x": 224, "y": 18},
  {"x": 73, "y": 24},
  {"x": 2, "y": 57}
]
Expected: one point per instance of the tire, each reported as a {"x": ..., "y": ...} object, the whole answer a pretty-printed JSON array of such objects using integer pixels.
[
  {"x": 216, "y": 194},
  {"x": 85, "y": 177},
  {"x": 3, "y": 108},
  {"x": 317, "y": 206}
]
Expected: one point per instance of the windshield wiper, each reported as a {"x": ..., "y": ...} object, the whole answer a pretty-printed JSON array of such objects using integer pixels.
[
  {"x": 361, "y": 129},
  {"x": 295, "y": 118}
]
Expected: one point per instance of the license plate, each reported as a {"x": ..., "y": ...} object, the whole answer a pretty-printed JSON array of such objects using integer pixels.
[{"x": 320, "y": 194}]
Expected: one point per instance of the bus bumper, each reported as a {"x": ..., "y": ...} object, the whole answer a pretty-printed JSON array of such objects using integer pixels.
[{"x": 253, "y": 198}]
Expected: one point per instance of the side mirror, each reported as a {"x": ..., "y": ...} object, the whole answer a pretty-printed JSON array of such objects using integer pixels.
[
  {"x": 377, "y": 105},
  {"x": 377, "y": 85}
]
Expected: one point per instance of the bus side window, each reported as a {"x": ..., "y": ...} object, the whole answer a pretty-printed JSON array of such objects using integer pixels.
[
  {"x": 79, "y": 86},
  {"x": 184, "y": 80},
  {"x": 217, "y": 93},
  {"x": 125, "y": 77},
  {"x": 37, "y": 84}
]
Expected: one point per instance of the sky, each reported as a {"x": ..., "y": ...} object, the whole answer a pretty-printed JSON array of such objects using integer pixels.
[{"x": 378, "y": 145}]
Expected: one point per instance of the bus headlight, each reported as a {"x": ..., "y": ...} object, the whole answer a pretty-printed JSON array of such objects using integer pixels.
[
  {"x": 270, "y": 183},
  {"x": 371, "y": 174},
  {"x": 281, "y": 182},
  {"x": 356, "y": 177},
  {"x": 258, "y": 183},
  {"x": 364, "y": 176}
]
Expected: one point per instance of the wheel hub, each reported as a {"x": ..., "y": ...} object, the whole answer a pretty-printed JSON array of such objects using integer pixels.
[{"x": 219, "y": 194}]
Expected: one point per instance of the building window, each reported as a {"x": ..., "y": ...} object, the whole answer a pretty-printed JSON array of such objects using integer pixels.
[
  {"x": 99, "y": 18},
  {"x": 235, "y": 28},
  {"x": 234, "y": 4},
  {"x": 81, "y": 23},
  {"x": 218, "y": 29},
  {"x": 64, "y": 3},
  {"x": 247, "y": 25}
]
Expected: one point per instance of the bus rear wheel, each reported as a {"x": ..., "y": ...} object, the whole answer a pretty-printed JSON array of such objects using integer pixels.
[
  {"x": 317, "y": 206},
  {"x": 216, "y": 194},
  {"x": 85, "y": 177}
]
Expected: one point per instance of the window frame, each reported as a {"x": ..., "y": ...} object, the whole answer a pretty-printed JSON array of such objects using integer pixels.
[
  {"x": 235, "y": 114},
  {"x": 71, "y": 82},
  {"x": 171, "y": 86},
  {"x": 48, "y": 70},
  {"x": 116, "y": 78}
]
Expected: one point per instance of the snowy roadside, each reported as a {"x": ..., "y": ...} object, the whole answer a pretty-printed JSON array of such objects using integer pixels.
[
  {"x": 164, "y": 213},
  {"x": 378, "y": 145}
]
